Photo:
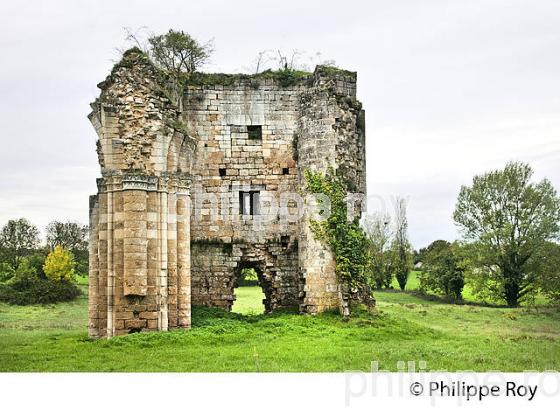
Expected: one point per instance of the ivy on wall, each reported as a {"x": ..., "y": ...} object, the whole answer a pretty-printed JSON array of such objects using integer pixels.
[{"x": 346, "y": 239}]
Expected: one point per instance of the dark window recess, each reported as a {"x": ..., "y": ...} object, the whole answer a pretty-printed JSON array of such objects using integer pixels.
[
  {"x": 222, "y": 172},
  {"x": 284, "y": 240},
  {"x": 249, "y": 203},
  {"x": 285, "y": 171},
  {"x": 255, "y": 132}
]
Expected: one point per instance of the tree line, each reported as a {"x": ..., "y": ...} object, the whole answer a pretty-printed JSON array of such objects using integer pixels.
[
  {"x": 508, "y": 251},
  {"x": 31, "y": 272}
]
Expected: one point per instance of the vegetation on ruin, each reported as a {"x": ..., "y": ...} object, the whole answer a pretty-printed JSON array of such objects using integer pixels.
[
  {"x": 347, "y": 239},
  {"x": 177, "y": 57},
  {"x": 332, "y": 70},
  {"x": 178, "y": 52},
  {"x": 285, "y": 77},
  {"x": 406, "y": 327}
]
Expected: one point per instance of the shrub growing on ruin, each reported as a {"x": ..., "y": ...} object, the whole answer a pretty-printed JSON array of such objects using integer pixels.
[
  {"x": 178, "y": 52},
  {"x": 347, "y": 239}
]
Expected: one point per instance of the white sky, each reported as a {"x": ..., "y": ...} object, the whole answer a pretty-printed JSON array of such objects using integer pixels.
[{"x": 451, "y": 88}]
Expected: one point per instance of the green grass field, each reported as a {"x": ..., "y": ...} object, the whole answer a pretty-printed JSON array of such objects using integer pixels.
[
  {"x": 249, "y": 300},
  {"x": 404, "y": 327}
]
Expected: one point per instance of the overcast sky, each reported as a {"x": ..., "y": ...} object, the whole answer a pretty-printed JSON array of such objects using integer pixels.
[{"x": 450, "y": 89}]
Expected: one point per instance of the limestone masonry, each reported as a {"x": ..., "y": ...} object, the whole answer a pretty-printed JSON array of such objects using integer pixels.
[{"x": 200, "y": 183}]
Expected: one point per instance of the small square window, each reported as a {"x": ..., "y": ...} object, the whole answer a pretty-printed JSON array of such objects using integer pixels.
[
  {"x": 284, "y": 240},
  {"x": 255, "y": 132},
  {"x": 285, "y": 171},
  {"x": 222, "y": 172}
]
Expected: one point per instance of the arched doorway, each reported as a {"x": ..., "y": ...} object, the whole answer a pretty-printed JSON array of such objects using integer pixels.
[{"x": 250, "y": 290}]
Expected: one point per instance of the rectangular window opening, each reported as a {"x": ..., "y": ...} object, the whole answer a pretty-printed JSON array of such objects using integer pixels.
[
  {"x": 249, "y": 202},
  {"x": 222, "y": 172},
  {"x": 255, "y": 132},
  {"x": 285, "y": 171}
]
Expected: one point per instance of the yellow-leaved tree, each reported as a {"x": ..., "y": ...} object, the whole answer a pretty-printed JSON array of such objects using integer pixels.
[{"x": 59, "y": 265}]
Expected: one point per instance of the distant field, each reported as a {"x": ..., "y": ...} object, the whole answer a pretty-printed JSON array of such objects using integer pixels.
[
  {"x": 413, "y": 284},
  {"x": 403, "y": 328},
  {"x": 249, "y": 300}
]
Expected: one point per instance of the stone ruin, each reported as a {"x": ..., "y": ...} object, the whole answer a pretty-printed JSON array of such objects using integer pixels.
[{"x": 187, "y": 175}]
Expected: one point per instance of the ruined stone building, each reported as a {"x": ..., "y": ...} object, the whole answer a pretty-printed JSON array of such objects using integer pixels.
[{"x": 202, "y": 182}]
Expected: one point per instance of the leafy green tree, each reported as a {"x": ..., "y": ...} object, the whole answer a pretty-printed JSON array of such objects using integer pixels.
[
  {"x": 18, "y": 238},
  {"x": 401, "y": 248},
  {"x": 548, "y": 278},
  {"x": 507, "y": 219},
  {"x": 59, "y": 265},
  {"x": 178, "y": 52},
  {"x": 378, "y": 230},
  {"x": 419, "y": 255},
  {"x": 443, "y": 269}
]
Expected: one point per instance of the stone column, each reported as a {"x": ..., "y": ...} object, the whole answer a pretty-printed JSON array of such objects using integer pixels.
[
  {"x": 135, "y": 242},
  {"x": 93, "y": 303},
  {"x": 163, "y": 318},
  {"x": 183, "y": 259},
  {"x": 172, "y": 254}
]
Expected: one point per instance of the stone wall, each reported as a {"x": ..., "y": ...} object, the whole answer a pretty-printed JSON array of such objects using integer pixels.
[
  {"x": 221, "y": 143},
  {"x": 216, "y": 270},
  {"x": 140, "y": 218}
]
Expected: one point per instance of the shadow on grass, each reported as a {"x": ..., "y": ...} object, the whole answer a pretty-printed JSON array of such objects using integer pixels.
[
  {"x": 441, "y": 299},
  {"x": 452, "y": 301}
]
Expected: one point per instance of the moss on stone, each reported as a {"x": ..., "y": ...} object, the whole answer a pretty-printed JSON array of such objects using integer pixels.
[
  {"x": 333, "y": 71},
  {"x": 285, "y": 78},
  {"x": 131, "y": 57}
]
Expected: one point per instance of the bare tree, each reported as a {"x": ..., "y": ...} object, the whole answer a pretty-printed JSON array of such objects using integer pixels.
[{"x": 69, "y": 235}]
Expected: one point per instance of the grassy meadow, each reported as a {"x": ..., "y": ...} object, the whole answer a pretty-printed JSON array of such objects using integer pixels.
[{"x": 404, "y": 327}]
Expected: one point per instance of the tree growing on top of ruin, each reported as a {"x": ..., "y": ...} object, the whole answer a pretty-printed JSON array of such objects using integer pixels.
[{"x": 178, "y": 52}]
